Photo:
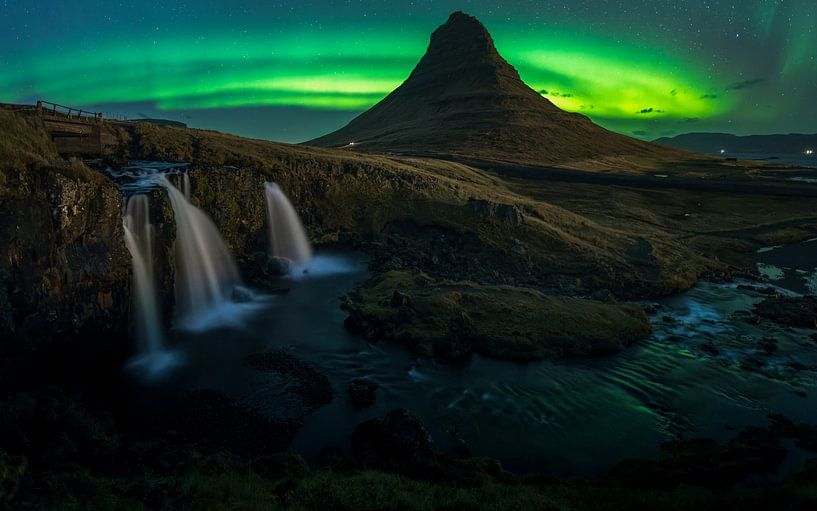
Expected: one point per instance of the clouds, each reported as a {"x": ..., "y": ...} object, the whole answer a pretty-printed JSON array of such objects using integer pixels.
[
  {"x": 555, "y": 94},
  {"x": 745, "y": 84}
]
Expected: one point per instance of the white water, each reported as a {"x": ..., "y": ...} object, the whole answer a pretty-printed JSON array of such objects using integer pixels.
[
  {"x": 206, "y": 274},
  {"x": 139, "y": 240},
  {"x": 287, "y": 236},
  {"x": 185, "y": 181}
]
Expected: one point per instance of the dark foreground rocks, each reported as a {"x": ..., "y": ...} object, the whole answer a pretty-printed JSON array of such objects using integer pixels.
[
  {"x": 57, "y": 452},
  {"x": 754, "y": 452},
  {"x": 363, "y": 393},
  {"x": 798, "y": 312},
  {"x": 400, "y": 443},
  {"x": 263, "y": 420},
  {"x": 453, "y": 319}
]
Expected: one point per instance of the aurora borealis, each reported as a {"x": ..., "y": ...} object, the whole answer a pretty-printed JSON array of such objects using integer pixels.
[{"x": 293, "y": 70}]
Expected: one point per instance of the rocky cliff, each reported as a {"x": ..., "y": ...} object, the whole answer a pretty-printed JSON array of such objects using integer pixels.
[{"x": 63, "y": 264}]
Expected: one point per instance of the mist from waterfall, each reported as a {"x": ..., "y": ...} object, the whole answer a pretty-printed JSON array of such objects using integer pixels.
[
  {"x": 287, "y": 236},
  {"x": 206, "y": 274},
  {"x": 139, "y": 240}
]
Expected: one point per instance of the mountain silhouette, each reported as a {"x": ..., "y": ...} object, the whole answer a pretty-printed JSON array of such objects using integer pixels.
[{"x": 463, "y": 99}]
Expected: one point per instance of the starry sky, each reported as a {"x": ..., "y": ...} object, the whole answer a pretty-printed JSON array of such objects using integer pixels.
[{"x": 294, "y": 70}]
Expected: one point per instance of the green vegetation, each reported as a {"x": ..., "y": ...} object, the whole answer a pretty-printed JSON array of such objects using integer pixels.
[
  {"x": 450, "y": 319},
  {"x": 23, "y": 141}
]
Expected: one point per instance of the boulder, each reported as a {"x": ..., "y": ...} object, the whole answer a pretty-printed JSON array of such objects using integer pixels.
[
  {"x": 399, "y": 442},
  {"x": 363, "y": 393},
  {"x": 798, "y": 312}
]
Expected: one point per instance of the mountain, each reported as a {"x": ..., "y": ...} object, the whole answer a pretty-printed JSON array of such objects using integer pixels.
[
  {"x": 463, "y": 99},
  {"x": 715, "y": 142}
]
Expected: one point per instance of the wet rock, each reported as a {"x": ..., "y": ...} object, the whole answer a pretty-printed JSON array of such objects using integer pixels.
[
  {"x": 242, "y": 295},
  {"x": 798, "y": 312},
  {"x": 278, "y": 266},
  {"x": 363, "y": 393},
  {"x": 302, "y": 380},
  {"x": 764, "y": 290},
  {"x": 710, "y": 348},
  {"x": 768, "y": 345},
  {"x": 399, "y": 442},
  {"x": 751, "y": 363},
  {"x": 651, "y": 309}
]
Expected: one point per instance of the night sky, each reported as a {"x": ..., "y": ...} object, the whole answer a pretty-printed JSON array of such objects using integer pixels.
[{"x": 293, "y": 70}]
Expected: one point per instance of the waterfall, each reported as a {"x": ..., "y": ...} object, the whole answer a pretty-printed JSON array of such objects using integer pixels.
[
  {"x": 206, "y": 274},
  {"x": 185, "y": 181},
  {"x": 139, "y": 240},
  {"x": 287, "y": 236}
]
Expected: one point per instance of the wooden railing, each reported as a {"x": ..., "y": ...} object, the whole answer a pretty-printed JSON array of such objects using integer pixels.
[{"x": 55, "y": 110}]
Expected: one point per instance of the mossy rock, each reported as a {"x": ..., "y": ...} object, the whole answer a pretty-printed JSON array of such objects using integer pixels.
[{"x": 452, "y": 319}]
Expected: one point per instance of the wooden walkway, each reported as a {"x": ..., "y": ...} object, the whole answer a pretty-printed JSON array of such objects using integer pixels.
[{"x": 76, "y": 131}]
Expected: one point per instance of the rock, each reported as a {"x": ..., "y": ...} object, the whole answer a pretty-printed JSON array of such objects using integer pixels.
[
  {"x": 705, "y": 462},
  {"x": 508, "y": 213},
  {"x": 652, "y": 309},
  {"x": 710, "y": 348},
  {"x": 241, "y": 295},
  {"x": 603, "y": 295},
  {"x": 64, "y": 266},
  {"x": 798, "y": 312},
  {"x": 399, "y": 299},
  {"x": 450, "y": 320},
  {"x": 399, "y": 442},
  {"x": 278, "y": 266},
  {"x": 768, "y": 345},
  {"x": 363, "y": 393}
]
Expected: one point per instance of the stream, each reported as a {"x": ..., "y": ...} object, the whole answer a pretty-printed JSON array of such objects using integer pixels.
[{"x": 704, "y": 372}]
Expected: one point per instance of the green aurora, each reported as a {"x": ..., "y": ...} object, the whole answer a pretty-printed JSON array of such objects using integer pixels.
[{"x": 604, "y": 71}]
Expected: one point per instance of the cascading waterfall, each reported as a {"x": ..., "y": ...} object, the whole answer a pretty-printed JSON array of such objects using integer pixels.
[
  {"x": 185, "y": 181},
  {"x": 139, "y": 240},
  {"x": 287, "y": 236},
  {"x": 206, "y": 274}
]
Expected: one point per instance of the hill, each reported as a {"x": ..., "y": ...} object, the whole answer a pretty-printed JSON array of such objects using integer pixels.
[{"x": 464, "y": 100}]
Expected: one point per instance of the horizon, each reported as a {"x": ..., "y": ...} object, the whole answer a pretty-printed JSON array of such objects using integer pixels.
[{"x": 294, "y": 72}]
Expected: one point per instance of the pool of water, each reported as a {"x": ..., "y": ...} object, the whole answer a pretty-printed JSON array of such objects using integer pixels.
[{"x": 704, "y": 372}]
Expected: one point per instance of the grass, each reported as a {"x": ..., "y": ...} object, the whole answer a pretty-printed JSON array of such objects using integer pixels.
[{"x": 449, "y": 319}]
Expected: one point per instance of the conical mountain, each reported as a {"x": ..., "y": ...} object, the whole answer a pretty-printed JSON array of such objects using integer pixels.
[{"x": 463, "y": 99}]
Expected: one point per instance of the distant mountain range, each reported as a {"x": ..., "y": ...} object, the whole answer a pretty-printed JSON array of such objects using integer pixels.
[
  {"x": 464, "y": 100},
  {"x": 716, "y": 142}
]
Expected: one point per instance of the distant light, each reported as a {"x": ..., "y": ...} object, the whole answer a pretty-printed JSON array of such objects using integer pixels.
[
  {"x": 351, "y": 143},
  {"x": 723, "y": 151},
  {"x": 809, "y": 151}
]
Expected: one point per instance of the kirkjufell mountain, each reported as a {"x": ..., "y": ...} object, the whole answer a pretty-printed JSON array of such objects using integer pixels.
[{"x": 463, "y": 99}]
